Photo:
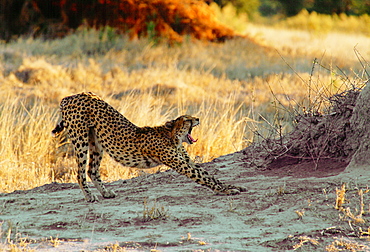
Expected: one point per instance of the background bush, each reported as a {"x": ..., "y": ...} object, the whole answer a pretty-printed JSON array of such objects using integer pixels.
[{"x": 156, "y": 18}]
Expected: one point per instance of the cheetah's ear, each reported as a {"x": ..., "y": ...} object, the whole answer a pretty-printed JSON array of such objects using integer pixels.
[{"x": 170, "y": 124}]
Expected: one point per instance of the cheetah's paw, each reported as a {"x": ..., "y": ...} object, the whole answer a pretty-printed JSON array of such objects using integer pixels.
[
  {"x": 91, "y": 198},
  {"x": 109, "y": 194},
  {"x": 239, "y": 188},
  {"x": 229, "y": 191}
]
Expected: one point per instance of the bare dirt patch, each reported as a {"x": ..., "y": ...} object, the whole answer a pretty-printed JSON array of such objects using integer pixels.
[
  {"x": 305, "y": 168},
  {"x": 285, "y": 203}
]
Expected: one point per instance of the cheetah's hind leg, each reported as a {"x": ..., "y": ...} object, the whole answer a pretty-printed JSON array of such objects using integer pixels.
[{"x": 96, "y": 155}]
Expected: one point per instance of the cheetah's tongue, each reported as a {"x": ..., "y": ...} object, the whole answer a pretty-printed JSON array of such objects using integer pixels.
[{"x": 192, "y": 140}]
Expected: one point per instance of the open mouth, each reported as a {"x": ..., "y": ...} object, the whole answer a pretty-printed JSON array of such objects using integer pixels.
[{"x": 189, "y": 138}]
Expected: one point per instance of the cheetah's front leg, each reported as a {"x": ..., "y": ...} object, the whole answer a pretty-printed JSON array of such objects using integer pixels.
[
  {"x": 201, "y": 176},
  {"x": 227, "y": 189}
]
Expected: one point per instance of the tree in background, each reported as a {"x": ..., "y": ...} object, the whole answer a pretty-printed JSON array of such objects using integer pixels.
[
  {"x": 293, "y": 7},
  {"x": 349, "y": 7},
  {"x": 270, "y": 8},
  {"x": 332, "y": 6},
  {"x": 360, "y": 7},
  {"x": 250, "y": 7},
  {"x": 265, "y": 7}
]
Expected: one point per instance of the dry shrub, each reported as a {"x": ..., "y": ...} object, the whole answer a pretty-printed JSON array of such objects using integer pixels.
[
  {"x": 316, "y": 135},
  {"x": 324, "y": 135},
  {"x": 34, "y": 71}
]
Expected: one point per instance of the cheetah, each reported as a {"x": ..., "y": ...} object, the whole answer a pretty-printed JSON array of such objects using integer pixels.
[{"x": 94, "y": 126}]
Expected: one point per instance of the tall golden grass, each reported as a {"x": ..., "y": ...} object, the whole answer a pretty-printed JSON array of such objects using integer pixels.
[
  {"x": 322, "y": 24},
  {"x": 230, "y": 86},
  {"x": 25, "y": 145}
]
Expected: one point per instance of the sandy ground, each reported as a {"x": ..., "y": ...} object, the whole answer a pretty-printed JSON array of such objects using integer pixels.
[{"x": 168, "y": 212}]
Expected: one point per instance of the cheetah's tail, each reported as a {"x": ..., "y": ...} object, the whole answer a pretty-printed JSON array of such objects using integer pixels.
[{"x": 58, "y": 129}]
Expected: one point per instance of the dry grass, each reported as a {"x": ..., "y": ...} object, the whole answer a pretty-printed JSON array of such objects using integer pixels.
[
  {"x": 335, "y": 48},
  {"x": 354, "y": 218},
  {"x": 226, "y": 85},
  {"x": 25, "y": 146},
  {"x": 322, "y": 24}
]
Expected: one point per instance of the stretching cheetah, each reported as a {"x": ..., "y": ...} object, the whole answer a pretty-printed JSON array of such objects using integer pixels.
[{"x": 94, "y": 126}]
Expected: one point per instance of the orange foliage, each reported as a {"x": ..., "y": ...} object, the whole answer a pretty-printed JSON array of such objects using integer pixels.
[{"x": 163, "y": 18}]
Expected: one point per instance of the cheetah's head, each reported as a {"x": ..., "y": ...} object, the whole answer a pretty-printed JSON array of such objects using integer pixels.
[{"x": 181, "y": 128}]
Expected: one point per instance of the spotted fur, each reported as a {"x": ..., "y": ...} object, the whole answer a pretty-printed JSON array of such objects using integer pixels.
[{"x": 94, "y": 126}]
